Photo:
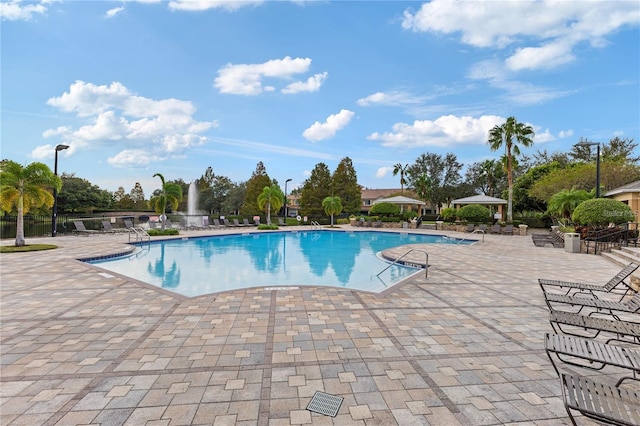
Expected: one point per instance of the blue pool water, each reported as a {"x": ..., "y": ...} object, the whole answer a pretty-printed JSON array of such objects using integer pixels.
[{"x": 204, "y": 265}]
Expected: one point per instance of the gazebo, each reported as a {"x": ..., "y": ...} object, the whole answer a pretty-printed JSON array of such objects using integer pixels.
[
  {"x": 483, "y": 200},
  {"x": 402, "y": 200}
]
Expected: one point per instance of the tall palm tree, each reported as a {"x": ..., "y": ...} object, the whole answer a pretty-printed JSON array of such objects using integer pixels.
[
  {"x": 271, "y": 197},
  {"x": 399, "y": 168},
  {"x": 423, "y": 186},
  {"x": 503, "y": 136},
  {"x": 171, "y": 196},
  {"x": 332, "y": 206},
  {"x": 26, "y": 187}
]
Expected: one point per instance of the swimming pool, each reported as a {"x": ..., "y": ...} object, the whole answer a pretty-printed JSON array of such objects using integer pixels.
[{"x": 203, "y": 265}]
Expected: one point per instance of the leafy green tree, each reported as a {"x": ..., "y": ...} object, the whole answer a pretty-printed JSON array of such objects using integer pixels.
[
  {"x": 474, "y": 213},
  {"x": 565, "y": 202},
  {"x": 137, "y": 196},
  {"x": 259, "y": 179},
  {"x": 80, "y": 196},
  {"x": 615, "y": 150},
  {"x": 385, "y": 209},
  {"x": 170, "y": 196},
  {"x": 506, "y": 136},
  {"x": 315, "y": 189},
  {"x": 22, "y": 188},
  {"x": 234, "y": 199},
  {"x": 423, "y": 186},
  {"x": 600, "y": 212},
  {"x": 402, "y": 170},
  {"x": 443, "y": 174},
  {"x": 487, "y": 177},
  {"x": 332, "y": 206},
  {"x": 273, "y": 198},
  {"x": 345, "y": 185}
]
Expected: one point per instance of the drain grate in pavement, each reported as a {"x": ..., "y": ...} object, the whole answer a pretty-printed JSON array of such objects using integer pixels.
[{"x": 325, "y": 403}]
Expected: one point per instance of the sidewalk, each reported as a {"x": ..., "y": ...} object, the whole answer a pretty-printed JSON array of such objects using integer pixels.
[{"x": 462, "y": 346}]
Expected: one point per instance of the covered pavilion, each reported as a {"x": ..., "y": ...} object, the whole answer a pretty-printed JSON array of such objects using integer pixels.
[{"x": 483, "y": 200}]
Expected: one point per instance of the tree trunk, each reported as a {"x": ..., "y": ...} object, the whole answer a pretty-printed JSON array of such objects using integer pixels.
[{"x": 20, "y": 242}]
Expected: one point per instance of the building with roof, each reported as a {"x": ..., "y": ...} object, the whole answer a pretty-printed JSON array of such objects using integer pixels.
[{"x": 628, "y": 194}]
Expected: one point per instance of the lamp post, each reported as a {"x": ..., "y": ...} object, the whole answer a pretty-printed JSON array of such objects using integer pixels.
[
  {"x": 597, "y": 144},
  {"x": 54, "y": 217},
  {"x": 285, "y": 198}
]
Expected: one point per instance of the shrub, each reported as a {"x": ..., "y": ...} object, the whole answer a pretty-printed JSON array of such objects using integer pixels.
[
  {"x": 267, "y": 227},
  {"x": 474, "y": 213},
  {"x": 159, "y": 232},
  {"x": 600, "y": 212},
  {"x": 449, "y": 214},
  {"x": 385, "y": 209}
]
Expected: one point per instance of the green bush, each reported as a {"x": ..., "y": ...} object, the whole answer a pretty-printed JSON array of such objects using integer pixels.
[
  {"x": 385, "y": 209},
  {"x": 600, "y": 212},
  {"x": 267, "y": 227},
  {"x": 474, "y": 213},
  {"x": 159, "y": 232},
  {"x": 449, "y": 214}
]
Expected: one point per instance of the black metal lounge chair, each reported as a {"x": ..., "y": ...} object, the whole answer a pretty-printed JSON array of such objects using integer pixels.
[
  {"x": 107, "y": 227},
  {"x": 470, "y": 227},
  {"x": 553, "y": 238},
  {"x": 508, "y": 230},
  {"x": 237, "y": 224},
  {"x": 600, "y": 401},
  {"x": 80, "y": 229},
  {"x": 610, "y": 286},
  {"x": 592, "y": 326},
  {"x": 495, "y": 229},
  {"x": 128, "y": 223},
  {"x": 598, "y": 305},
  {"x": 591, "y": 354},
  {"x": 245, "y": 222}
]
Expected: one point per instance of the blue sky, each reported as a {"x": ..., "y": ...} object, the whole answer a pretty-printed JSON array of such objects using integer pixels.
[{"x": 172, "y": 87}]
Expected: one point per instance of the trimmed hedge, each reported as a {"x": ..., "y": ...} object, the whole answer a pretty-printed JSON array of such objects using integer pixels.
[
  {"x": 474, "y": 213},
  {"x": 600, "y": 212}
]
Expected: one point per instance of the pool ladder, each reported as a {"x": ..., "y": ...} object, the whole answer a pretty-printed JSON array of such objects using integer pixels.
[
  {"x": 315, "y": 225},
  {"x": 475, "y": 231},
  {"x": 426, "y": 263},
  {"x": 139, "y": 233}
]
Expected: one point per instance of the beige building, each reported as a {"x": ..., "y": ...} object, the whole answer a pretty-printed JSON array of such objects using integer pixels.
[{"x": 628, "y": 194}]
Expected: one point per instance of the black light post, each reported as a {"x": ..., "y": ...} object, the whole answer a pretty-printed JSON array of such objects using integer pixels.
[
  {"x": 597, "y": 163},
  {"x": 285, "y": 198},
  {"x": 54, "y": 217}
]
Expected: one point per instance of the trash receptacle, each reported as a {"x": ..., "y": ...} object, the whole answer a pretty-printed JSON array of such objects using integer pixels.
[{"x": 572, "y": 242}]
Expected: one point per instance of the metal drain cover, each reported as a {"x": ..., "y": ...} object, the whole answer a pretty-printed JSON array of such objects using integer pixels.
[{"x": 325, "y": 404}]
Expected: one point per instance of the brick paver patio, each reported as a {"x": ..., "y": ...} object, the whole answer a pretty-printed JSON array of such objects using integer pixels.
[{"x": 462, "y": 346}]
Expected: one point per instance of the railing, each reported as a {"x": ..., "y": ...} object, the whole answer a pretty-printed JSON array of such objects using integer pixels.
[
  {"x": 475, "y": 231},
  {"x": 605, "y": 240},
  {"x": 426, "y": 263},
  {"x": 315, "y": 224},
  {"x": 139, "y": 233}
]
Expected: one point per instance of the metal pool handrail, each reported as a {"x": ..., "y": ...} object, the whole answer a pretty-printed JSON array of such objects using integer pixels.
[
  {"x": 426, "y": 265},
  {"x": 474, "y": 232}
]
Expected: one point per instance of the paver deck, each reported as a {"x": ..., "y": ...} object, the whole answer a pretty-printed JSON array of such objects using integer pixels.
[{"x": 463, "y": 345}]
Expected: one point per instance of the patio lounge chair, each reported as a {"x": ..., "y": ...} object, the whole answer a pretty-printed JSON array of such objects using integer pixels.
[
  {"x": 237, "y": 224},
  {"x": 553, "y": 238},
  {"x": 495, "y": 229},
  {"x": 80, "y": 229},
  {"x": 600, "y": 401},
  {"x": 217, "y": 224},
  {"x": 482, "y": 227},
  {"x": 588, "y": 353},
  {"x": 257, "y": 221},
  {"x": 281, "y": 222},
  {"x": 471, "y": 227},
  {"x": 609, "y": 287},
  {"x": 598, "y": 305},
  {"x": 106, "y": 227},
  {"x": 245, "y": 222},
  {"x": 128, "y": 223},
  {"x": 508, "y": 230},
  {"x": 578, "y": 325}
]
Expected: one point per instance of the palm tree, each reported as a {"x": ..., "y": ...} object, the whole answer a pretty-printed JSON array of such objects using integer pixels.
[
  {"x": 399, "y": 168},
  {"x": 423, "y": 186},
  {"x": 26, "y": 187},
  {"x": 271, "y": 197},
  {"x": 503, "y": 136},
  {"x": 332, "y": 205},
  {"x": 171, "y": 195},
  {"x": 565, "y": 202}
]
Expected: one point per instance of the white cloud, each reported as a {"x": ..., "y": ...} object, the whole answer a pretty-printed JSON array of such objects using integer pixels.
[
  {"x": 321, "y": 131},
  {"x": 312, "y": 84},
  {"x": 543, "y": 136},
  {"x": 246, "y": 79},
  {"x": 393, "y": 98},
  {"x": 133, "y": 158},
  {"x": 16, "y": 10},
  {"x": 116, "y": 115},
  {"x": 43, "y": 152},
  {"x": 200, "y": 5},
  {"x": 113, "y": 12},
  {"x": 565, "y": 134},
  {"x": 446, "y": 131},
  {"x": 555, "y": 28},
  {"x": 383, "y": 171}
]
